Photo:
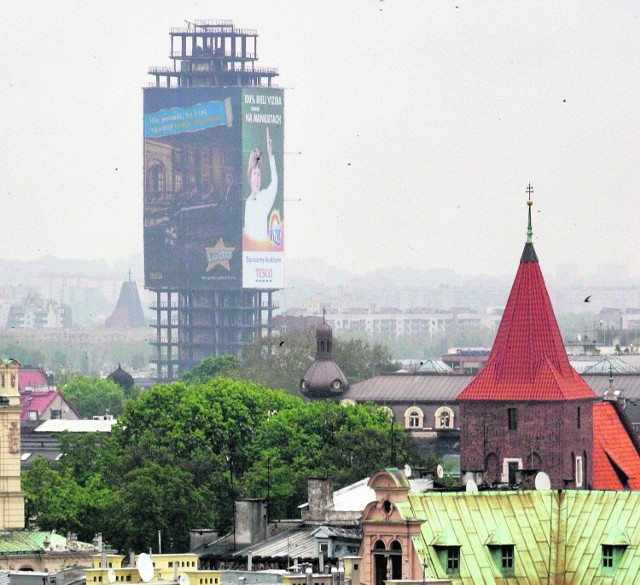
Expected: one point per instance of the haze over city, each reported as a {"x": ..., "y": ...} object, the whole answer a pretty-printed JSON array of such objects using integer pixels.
[{"x": 412, "y": 129}]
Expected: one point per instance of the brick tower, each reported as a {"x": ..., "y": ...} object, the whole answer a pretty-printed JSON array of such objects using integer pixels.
[{"x": 528, "y": 410}]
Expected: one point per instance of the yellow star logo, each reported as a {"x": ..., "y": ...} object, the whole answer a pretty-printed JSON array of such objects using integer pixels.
[{"x": 219, "y": 254}]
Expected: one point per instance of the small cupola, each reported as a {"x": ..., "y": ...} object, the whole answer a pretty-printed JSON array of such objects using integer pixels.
[{"x": 324, "y": 379}]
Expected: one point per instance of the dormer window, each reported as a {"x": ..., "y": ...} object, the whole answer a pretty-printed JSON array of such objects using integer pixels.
[
  {"x": 613, "y": 549},
  {"x": 611, "y": 556},
  {"x": 504, "y": 558},
  {"x": 449, "y": 557}
]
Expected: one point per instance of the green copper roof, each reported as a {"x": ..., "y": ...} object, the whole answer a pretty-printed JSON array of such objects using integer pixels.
[
  {"x": 557, "y": 536},
  {"x": 500, "y": 536},
  {"x": 616, "y": 537},
  {"x": 446, "y": 538},
  {"x": 399, "y": 477},
  {"x": 24, "y": 542}
]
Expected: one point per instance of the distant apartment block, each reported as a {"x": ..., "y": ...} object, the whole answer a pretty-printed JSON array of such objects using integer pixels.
[
  {"x": 393, "y": 322},
  {"x": 35, "y": 312}
]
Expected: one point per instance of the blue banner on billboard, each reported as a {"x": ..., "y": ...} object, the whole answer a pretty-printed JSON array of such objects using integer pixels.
[{"x": 192, "y": 119}]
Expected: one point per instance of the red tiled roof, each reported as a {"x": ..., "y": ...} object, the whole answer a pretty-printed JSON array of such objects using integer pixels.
[
  {"x": 31, "y": 377},
  {"x": 613, "y": 448},
  {"x": 36, "y": 401},
  {"x": 528, "y": 360}
]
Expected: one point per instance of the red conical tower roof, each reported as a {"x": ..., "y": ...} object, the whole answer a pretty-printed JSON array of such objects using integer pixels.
[{"x": 528, "y": 360}]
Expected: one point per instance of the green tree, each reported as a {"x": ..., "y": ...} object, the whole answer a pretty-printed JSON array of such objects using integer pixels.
[
  {"x": 281, "y": 364},
  {"x": 360, "y": 359},
  {"x": 54, "y": 499},
  {"x": 156, "y": 497},
  {"x": 182, "y": 453},
  {"x": 94, "y": 396},
  {"x": 223, "y": 366},
  {"x": 322, "y": 438}
]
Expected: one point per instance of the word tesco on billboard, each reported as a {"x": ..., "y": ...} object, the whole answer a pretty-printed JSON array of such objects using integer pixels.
[{"x": 213, "y": 192}]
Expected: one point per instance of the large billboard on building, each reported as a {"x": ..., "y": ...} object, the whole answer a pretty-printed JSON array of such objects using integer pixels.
[{"x": 213, "y": 193}]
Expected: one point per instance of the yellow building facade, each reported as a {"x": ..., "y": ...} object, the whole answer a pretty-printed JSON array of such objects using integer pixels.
[
  {"x": 11, "y": 495},
  {"x": 166, "y": 568}
]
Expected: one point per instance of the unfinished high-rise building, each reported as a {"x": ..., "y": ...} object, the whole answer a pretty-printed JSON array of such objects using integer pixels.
[{"x": 213, "y": 195}]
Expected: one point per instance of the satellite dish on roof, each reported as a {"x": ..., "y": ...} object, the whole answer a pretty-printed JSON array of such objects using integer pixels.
[
  {"x": 439, "y": 471},
  {"x": 145, "y": 567},
  {"x": 183, "y": 579},
  {"x": 407, "y": 470},
  {"x": 472, "y": 486},
  {"x": 542, "y": 481},
  {"x": 111, "y": 576}
]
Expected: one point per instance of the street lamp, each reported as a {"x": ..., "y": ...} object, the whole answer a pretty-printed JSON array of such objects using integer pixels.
[{"x": 424, "y": 571}]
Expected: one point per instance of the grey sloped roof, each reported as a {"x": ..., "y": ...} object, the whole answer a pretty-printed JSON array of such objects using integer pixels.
[
  {"x": 628, "y": 384},
  {"x": 412, "y": 388},
  {"x": 298, "y": 543},
  {"x": 400, "y": 387},
  {"x": 339, "y": 532}
]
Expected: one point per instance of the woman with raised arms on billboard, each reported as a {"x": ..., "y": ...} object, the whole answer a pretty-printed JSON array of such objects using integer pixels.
[{"x": 259, "y": 203}]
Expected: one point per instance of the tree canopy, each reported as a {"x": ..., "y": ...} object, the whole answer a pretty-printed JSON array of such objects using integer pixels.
[
  {"x": 94, "y": 396},
  {"x": 182, "y": 453},
  {"x": 291, "y": 357}
]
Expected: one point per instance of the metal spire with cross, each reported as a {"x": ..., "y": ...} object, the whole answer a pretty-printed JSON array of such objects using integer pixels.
[{"x": 529, "y": 203}]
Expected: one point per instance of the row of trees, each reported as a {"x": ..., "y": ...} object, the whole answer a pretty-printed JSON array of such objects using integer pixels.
[
  {"x": 281, "y": 369},
  {"x": 282, "y": 364},
  {"x": 183, "y": 453}
]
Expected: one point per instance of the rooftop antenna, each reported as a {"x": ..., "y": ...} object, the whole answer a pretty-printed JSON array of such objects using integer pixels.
[{"x": 529, "y": 203}]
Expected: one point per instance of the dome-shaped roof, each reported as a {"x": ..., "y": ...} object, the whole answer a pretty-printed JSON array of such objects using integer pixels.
[
  {"x": 122, "y": 378},
  {"x": 324, "y": 379}
]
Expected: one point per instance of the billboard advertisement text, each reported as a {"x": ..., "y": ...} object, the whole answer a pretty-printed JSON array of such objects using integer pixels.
[
  {"x": 209, "y": 223},
  {"x": 262, "y": 157}
]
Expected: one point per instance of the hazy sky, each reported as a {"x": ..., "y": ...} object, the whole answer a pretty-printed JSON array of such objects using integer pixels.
[{"x": 419, "y": 125}]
